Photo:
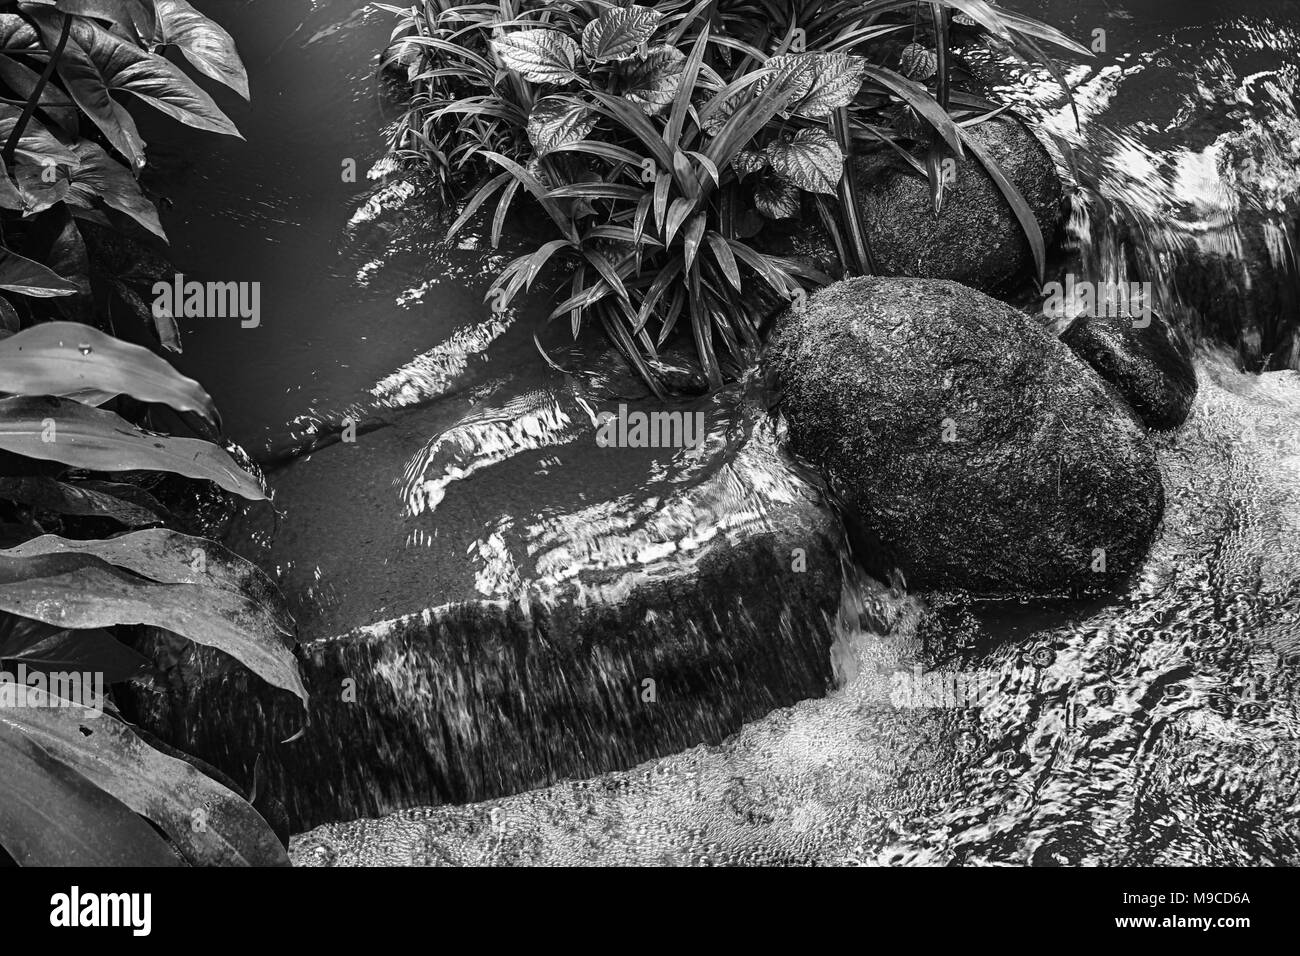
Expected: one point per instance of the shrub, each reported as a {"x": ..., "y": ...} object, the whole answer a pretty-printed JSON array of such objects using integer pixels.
[{"x": 661, "y": 140}]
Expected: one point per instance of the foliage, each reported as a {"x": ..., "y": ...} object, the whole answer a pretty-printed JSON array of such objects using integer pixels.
[
  {"x": 85, "y": 553},
  {"x": 662, "y": 141}
]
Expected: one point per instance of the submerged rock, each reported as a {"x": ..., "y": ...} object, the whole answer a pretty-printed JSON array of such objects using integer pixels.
[
  {"x": 1148, "y": 364},
  {"x": 521, "y": 604},
  {"x": 975, "y": 239},
  {"x": 974, "y": 451}
]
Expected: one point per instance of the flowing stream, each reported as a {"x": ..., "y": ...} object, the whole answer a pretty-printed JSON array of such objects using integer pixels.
[{"x": 1160, "y": 727}]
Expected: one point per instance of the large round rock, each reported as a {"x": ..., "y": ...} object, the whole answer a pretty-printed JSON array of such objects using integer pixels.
[{"x": 973, "y": 450}]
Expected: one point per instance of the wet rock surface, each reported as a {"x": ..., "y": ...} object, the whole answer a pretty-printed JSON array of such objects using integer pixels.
[
  {"x": 975, "y": 239},
  {"x": 571, "y": 609},
  {"x": 1158, "y": 728},
  {"x": 972, "y": 449},
  {"x": 1143, "y": 359}
]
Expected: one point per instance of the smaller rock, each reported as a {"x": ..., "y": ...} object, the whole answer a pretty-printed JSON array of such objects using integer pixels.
[
  {"x": 975, "y": 239},
  {"x": 1148, "y": 364}
]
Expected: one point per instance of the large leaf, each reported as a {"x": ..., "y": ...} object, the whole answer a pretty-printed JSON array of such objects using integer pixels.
[
  {"x": 777, "y": 199},
  {"x": 22, "y": 275},
  {"x": 60, "y": 497},
  {"x": 834, "y": 80},
  {"x": 203, "y": 43},
  {"x": 619, "y": 32},
  {"x": 558, "y": 121},
  {"x": 59, "y": 429},
  {"x": 96, "y": 175},
  {"x": 134, "y": 17},
  {"x": 170, "y": 557},
  {"x": 651, "y": 81},
  {"x": 209, "y": 824},
  {"x": 83, "y": 652},
  {"x": 97, "y": 63},
  {"x": 37, "y": 143},
  {"x": 22, "y": 79},
  {"x": 50, "y": 815},
  {"x": 82, "y": 590},
  {"x": 64, "y": 358},
  {"x": 811, "y": 161},
  {"x": 539, "y": 56}
]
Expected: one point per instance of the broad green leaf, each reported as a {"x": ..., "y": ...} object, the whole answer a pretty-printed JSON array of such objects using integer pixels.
[
  {"x": 792, "y": 71},
  {"x": 619, "y": 32},
  {"x": 918, "y": 62},
  {"x": 90, "y": 651},
  {"x": 22, "y": 79},
  {"x": 202, "y": 42},
  {"x": 96, "y": 63},
  {"x": 82, "y": 590},
  {"x": 170, "y": 557},
  {"x": 777, "y": 199},
  {"x": 50, "y": 815},
  {"x": 60, "y": 497},
  {"x": 37, "y": 144},
  {"x": 539, "y": 56},
  {"x": 812, "y": 161},
  {"x": 162, "y": 788},
  {"x": 748, "y": 162},
  {"x": 22, "y": 275},
  {"x": 135, "y": 17},
  {"x": 64, "y": 358},
  {"x": 558, "y": 121},
  {"x": 651, "y": 81},
  {"x": 95, "y": 174},
  {"x": 834, "y": 80},
  {"x": 59, "y": 429}
]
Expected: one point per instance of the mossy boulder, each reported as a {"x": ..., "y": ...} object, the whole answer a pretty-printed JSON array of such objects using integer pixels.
[{"x": 972, "y": 449}]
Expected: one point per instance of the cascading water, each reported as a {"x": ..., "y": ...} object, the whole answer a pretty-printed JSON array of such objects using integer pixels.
[{"x": 1157, "y": 727}]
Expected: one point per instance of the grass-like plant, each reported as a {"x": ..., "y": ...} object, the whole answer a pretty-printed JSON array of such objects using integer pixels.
[{"x": 660, "y": 140}]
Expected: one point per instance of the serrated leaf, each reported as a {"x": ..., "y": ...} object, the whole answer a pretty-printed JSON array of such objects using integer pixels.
[
  {"x": 539, "y": 56},
  {"x": 812, "y": 161},
  {"x": 834, "y": 80},
  {"x": 918, "y": 62},
  {"x": 652, "y": 81},
  {"x": 789, "y": 70},
  {"x": 557, "y": 121},
  {"x": 777, "y": 199},
  {"x": 619, "y": 32},
  {"x": 748, "y": 162}
]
